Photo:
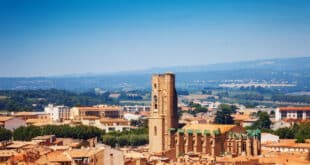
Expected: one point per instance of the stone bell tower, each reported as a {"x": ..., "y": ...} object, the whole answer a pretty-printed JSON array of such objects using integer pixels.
[{"x": 163, "y": 114}]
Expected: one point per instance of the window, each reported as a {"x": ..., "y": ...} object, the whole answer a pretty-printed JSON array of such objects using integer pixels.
[
  {"x": 308, "y": 115},
  {"x": 243, "y": 146},
  {"x": 283, "y": 115},
  {"x": 155, "y": 101},
  {"x": 155, "y": 86},
  {"x": 299, "y": 114},
  {"x": 155, "y": 131}
]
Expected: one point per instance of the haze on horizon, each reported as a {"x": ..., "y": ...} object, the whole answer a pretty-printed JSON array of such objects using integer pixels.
[{"x": 58, "y": 37}]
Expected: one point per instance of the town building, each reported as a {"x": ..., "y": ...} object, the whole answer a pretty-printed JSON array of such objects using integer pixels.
[
  {"x": 167, "y": 138},
  {"x": 32, "y": 115},
  {"x": 107, "y": 124},
  {"x": 130, "y": 116},
  {"x": 58, "y": 113},
  {"x": 287, "y": 145},
  {"x": 136, "y": 108},
  {"x": 295, "y": 113},
  {"x": 11, "y": 122},
  {"x": 269, "y": 138},
  {"x": 100, "y": 111},
  {"x": 245, "y": 120}
]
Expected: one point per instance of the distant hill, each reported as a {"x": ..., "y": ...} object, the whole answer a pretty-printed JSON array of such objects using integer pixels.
[{"x": 290, "y": 70}]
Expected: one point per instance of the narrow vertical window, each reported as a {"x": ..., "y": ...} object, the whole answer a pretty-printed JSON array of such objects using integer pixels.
[
  {"x": 155, "y": 102},
  {"x": 155, "y": 131}
]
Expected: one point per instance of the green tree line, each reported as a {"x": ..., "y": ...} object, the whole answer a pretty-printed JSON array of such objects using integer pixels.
[
  {"x": 65, "y": 131},
  {"x": 291, "y": 98},
  {"x": 33, "y": 100},
  {"x": 134, "y": 137}
]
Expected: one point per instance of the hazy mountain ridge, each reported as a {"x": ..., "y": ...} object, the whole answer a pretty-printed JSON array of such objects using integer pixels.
[{"x": 289, "y": 69}]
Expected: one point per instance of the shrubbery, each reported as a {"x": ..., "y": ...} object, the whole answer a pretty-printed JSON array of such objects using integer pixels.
[
  {"x": 5, "y": 134},
  {"x": 78, "y": 132},
  {"x": 134, "y": 137}
]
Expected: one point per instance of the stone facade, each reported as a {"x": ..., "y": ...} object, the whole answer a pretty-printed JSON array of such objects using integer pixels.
[
  {"x": 166, "y": 138},
  {"x": 215, "y": 140},
  {"x": 163, "y": 112}
]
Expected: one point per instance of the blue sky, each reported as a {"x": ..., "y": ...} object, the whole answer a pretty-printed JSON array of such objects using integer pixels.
[{"x": 57, "y": 37}]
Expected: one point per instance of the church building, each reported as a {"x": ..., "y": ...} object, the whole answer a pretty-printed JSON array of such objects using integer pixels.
[{"x": 167, "y": 138}]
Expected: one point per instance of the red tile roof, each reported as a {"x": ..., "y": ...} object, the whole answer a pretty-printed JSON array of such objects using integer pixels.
[
  {"x": 294, "y": 108},
  {"x": 104, "y": 108}
]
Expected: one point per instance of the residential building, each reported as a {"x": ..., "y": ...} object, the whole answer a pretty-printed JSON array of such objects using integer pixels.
[
  {"x": 100, "y": 111},
  {"x": 269, "y": 138},
  {"x": 11, "y": 122},
  {"x": 107, "y": 124},
  {"x": 32, "y": 115},
  {"x": 130, "y": 116},
  {"x": 136, "y": 108},
  {"x": 287, "y": 145},
  {"x": 295, "y": 113},
  {"x": 58, "y": 113}
]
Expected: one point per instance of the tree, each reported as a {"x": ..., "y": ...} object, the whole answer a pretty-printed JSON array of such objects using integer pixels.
[
  {"x": 223, "y": 116},
  {"x": 303, "y": 132},
  {"x": 5, "y": 134},
  {"x": 263, "y": 121},
  {"x": 133, "y": 137},
  {"x": 196, "y": 108},
  {"x": 77, "y": 132}
]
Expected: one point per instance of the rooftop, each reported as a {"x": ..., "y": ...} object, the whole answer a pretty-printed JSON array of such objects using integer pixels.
[
  {"x": 289, "y": 143},
  {"x": 25, "y": 113},
  {"x": 294, "y": 108},
  {"x": 82, "y": 153},
  {"x": 113, "y": 120},
  {"x": 7, "y": 153},
  {"x": 211, "y": 127},
  {"x": 100, "y": 108},
  {"x": 5, "y": 118}
]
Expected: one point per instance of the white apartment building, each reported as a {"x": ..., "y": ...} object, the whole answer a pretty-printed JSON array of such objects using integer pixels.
[
  {"x": 58, "y": 113},
  {"x": 296, "y": 113},
  {"x": 136, "y": 108},
  {"x": 107, "y": 124}
]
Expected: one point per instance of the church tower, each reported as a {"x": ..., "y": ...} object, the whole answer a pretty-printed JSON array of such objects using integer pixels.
[{"x": 163, "y": 114}]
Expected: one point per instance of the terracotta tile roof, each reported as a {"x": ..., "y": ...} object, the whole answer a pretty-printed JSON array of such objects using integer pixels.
[
  {"x": 239, "y": 117},
  {"x": 7, "y": 153},
  {"x": 45, "y": 137},
  {"x": 58, "y": 156},
  {"x": 59, "y": 148},
  {"x": 103, "y": 108},
  {"x": 90, "y": 117},
  {"x": 113, "y": 120},
  {"x": 34, "y": 121},
  {"x": 19, "y": 144},
  {"x": 5, "y": 118},
  {"x": 55, "y": 156},
  {"x": 211, "y": 127},
  {"x": 144, "y": 113},
  {"x": 294, "y": 108},
  {"x": 82, "y": 153},
  {"x": 25, "y": 113},
  {"x": 289, "y": 143}
]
